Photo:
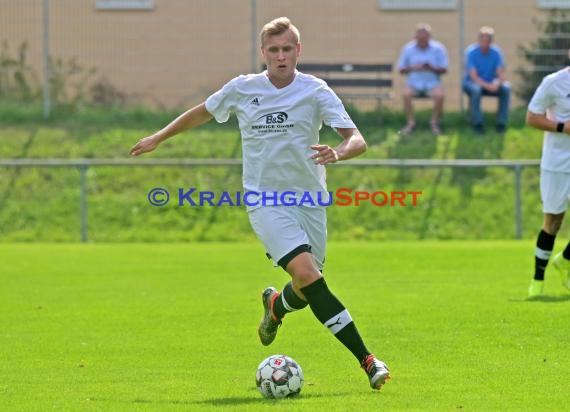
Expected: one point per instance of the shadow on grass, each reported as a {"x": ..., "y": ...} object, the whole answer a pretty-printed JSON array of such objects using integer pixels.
[
  {"x": 226, "y": 401},
  {"x": 144, "y": 401},
  {"x": 235, "y": 400},
  {"x": 544, "y": 299},
  {"x": 241, "y": 400}
]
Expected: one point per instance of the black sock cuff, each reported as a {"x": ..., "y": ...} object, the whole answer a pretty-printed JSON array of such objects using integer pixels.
[
  {"x": 291, "y": 297},
  {"x": 314, "y": 288}
]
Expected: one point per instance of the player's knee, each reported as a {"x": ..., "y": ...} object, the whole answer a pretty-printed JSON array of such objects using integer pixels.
[
  {"x": 303, "y": 269},
  {"x": 304, "y": 276}
]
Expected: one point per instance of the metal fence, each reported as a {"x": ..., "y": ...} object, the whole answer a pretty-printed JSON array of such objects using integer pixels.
[{"x": 83, "y": 165}]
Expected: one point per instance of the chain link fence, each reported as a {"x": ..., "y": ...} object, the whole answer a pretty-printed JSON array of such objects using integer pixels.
[{"x": 173, "y": 53}]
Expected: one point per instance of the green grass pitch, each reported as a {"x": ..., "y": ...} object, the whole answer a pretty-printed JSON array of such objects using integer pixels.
[{"x": 173, "y": 327}]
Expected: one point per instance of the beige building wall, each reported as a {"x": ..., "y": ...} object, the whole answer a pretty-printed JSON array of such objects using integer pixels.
[{"x": 179, "y": 52}]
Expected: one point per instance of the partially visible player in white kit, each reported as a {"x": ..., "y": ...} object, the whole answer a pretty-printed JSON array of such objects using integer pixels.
[
  {"x": 280, "y": 113},
  {"x": 549, "y": 110}
]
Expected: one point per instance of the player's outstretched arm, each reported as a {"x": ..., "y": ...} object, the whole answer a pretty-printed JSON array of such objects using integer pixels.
[
  {"x": 353, "y": 144},
  {"x": 191, "y": 118},
  {"x": 541, "y": 122}
]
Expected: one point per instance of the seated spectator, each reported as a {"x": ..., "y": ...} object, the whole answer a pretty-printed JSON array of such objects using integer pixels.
[
  {"x": 423, "y": 60},
  {"x": 485, "y": 76}
]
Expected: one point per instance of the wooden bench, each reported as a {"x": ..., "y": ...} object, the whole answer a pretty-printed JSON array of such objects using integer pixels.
[{"x": 355, "y": 81}]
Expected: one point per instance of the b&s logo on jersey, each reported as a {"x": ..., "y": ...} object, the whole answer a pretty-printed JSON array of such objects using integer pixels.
[
  {"x": 274, "y": 118},
  {"x": 275, "y": 122}
]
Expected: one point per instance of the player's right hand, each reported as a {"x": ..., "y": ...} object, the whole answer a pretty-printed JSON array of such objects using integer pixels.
[{"x": 144, "y": 145}]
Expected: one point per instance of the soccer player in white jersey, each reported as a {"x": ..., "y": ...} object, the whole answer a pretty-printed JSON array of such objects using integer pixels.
[
  {"x": 280, "y": 113},
  {"x": 549, "y": 110}
]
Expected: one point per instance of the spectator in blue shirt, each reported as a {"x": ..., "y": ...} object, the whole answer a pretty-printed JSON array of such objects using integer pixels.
[
  {"x": 485, "y": 76},
  {"x": 423, "y": 60}
]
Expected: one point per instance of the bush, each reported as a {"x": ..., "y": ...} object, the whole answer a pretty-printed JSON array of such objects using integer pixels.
[
  {"x": 547, "y": 54},
  {"x": 72, "y": 85}
]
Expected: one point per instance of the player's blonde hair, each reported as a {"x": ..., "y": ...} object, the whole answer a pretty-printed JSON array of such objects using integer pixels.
[{"x": 278, "y": 26}]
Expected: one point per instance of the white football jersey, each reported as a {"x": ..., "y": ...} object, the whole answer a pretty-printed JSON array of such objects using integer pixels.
[
  {"x": 553, "y": 98},
  {"x": 278, "y": 127}
]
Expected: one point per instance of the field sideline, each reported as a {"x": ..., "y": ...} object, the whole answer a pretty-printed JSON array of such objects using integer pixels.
[{"x": 119, "y": 327}]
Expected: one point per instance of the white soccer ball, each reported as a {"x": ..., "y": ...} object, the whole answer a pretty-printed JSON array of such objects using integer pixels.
[{"x": 279, "y": 376}]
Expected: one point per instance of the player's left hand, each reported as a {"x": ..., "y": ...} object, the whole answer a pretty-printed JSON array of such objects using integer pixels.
[{"x": 325, "y": 154}]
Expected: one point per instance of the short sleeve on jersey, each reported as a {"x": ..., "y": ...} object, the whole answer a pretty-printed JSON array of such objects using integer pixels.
[
  {"x": 542, "y": 98},
  {"x": 222, "y": 103},
  {"x": 331, "y": 109}
]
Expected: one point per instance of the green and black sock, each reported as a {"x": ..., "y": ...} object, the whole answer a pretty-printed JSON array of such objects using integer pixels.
[
  {"x": 332, "y": 313},
  {"x": 544, "y": 246},
  {"x": 287, "y": 302}
]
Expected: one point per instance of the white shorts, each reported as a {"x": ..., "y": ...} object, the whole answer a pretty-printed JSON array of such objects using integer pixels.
[
  {"x": 282, "y": 229},
  {"x": 554, "y": 191}
]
